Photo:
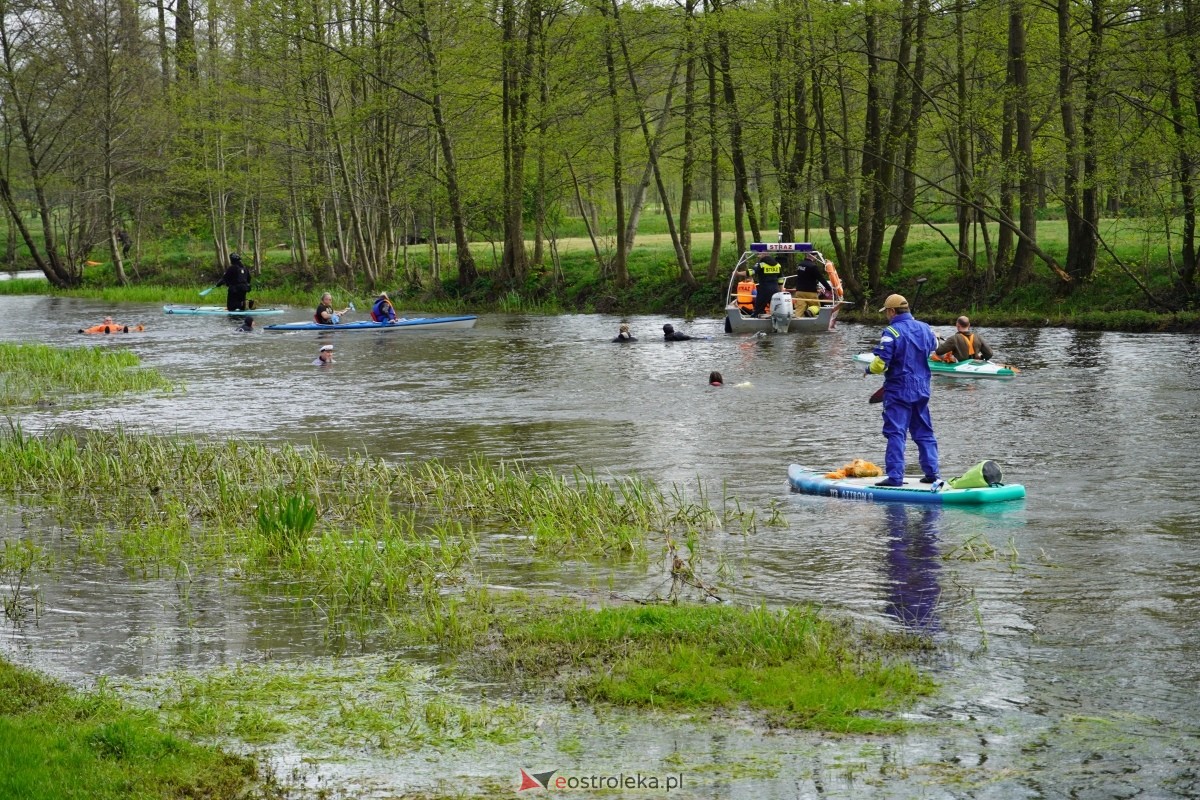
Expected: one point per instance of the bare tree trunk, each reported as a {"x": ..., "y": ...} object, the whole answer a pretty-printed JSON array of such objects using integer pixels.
[
  {"x": 742, "y": 201},
  {"x": 620, "y": 264},
  {"x": 912, "y": 135},
  {"x": 1026, "y": 179},
  {"x": 714, "y": 163}
]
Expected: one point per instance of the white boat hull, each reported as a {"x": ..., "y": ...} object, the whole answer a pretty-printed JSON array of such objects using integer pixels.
[{"x": 738, "y": 322}]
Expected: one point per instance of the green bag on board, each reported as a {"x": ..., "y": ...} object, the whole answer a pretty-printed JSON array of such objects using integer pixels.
[{"x": 980, "y": 476}]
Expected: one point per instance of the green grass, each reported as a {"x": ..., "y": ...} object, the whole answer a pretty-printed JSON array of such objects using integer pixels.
[
  {"x": 56, "y": 744},
  {"x": 794, "y": 666},
  {"x": 33, "y": 373},
  {"x": 174, "y": 271}
]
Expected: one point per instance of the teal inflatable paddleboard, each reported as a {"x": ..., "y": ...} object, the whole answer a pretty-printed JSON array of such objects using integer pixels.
[
  {"x": 961, "y": 369},
  {"x": 219, "y": 311},
  {"x": 810, "y": 481}
]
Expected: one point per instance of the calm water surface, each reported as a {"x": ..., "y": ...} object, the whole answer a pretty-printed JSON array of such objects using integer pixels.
[{"x": 1069, "y": 666}]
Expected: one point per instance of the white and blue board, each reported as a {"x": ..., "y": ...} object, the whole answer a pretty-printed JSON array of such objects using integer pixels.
[
  {"x": 959, "y": 369},
  {"x": 219, "y": 311},
  {"x": 810, "y": 481}
]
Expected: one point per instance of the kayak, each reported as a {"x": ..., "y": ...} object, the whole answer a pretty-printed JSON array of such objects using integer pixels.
[
  {"x": 808, "y": 481},
  {"x": 414, "y": 324},
  {"x": 220, "y": 311},
  {"x": 960, "y": 369},
  {"x": 112, "y": 327}
]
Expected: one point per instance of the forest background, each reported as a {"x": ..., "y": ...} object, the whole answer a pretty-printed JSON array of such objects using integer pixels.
[{"x": 1035, "y": 160}]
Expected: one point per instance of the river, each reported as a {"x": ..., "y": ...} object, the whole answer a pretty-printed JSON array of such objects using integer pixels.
[{"x": 1069, "y": 659}]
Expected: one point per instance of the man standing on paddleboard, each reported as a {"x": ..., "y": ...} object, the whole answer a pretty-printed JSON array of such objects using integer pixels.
[
  {"x": 237, "y": 278},
  {"x": 903, "y": 358}
]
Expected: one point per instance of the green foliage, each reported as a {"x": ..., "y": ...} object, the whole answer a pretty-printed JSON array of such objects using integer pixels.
[
  {"x": 33, "y": 373},
  {"x": 58, "y": 745},
  {"x": 795, "y": 666},
  {"x": 285, "y": 521}
]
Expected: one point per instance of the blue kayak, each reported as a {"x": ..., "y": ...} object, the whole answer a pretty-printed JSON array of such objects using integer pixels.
[
  {"x": 809, "y": 481},
  {"x": 220, "y": 311},
  {"x": 414, "y": 324}
]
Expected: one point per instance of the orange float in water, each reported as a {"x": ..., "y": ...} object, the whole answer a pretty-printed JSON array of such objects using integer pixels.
[{"x": 108, "y": 326}]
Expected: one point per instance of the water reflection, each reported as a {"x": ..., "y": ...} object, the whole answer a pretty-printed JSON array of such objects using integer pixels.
[{"x": 913, "y": 562}]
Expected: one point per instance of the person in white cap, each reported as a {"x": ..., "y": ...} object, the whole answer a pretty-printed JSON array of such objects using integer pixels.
[
  {"x": 903, "y": 358},
  {"x": 324, "y": 356}
]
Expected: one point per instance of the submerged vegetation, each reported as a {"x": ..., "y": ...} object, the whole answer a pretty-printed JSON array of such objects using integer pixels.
[
  {"x": 365, "y": 541},
  {"x": 798, "y": 667},
  {"x": 375, "y": 703},
  {"x": 38, "y": 373},
  {"x": 56, "y": 744}
]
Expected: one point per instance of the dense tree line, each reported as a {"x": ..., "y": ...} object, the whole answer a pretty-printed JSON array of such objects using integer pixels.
[{"x": 356, "y": 127}]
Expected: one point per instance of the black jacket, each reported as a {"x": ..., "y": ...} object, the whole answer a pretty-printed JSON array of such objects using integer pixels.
[{"x": 236, "y": 277}]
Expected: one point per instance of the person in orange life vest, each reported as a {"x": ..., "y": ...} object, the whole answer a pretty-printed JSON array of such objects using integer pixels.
[
  {"x": 903, "y": 358},
  {"x": 767, "y": 272},
  {"x": 964, "y": 345}
]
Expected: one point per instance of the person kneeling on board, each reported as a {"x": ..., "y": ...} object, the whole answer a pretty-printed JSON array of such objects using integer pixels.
[{"x": 964, "y": 345}]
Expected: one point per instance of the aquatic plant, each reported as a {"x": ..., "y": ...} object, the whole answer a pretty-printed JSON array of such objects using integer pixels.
[
  {"x": 372, "y": 702},
  {"x": 34, "y": 373},
  {"x": 796, "y": 666},
  {"x": 285, "y": 521},
  {"x": 18, "y": 561}
]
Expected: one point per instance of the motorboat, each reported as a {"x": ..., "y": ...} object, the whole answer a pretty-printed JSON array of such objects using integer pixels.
[{"x": 787, "y": 314}]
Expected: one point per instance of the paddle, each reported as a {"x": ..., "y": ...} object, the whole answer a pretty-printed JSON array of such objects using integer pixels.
[
  {"x": 204, "y": 292},
  {"x": 877, "y": 395}
]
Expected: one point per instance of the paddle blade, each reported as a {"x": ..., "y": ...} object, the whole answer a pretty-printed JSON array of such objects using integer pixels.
[
  {"x": 877, "y": 397},
  {"x": 204, "y": 292}
]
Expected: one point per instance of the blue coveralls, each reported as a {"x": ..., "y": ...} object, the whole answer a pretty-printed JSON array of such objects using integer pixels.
[{"x": 904, "y": 350}]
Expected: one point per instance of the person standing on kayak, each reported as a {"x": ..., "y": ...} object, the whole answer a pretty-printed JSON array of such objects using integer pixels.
[
  {"x": 903, "y": 358},
  {"x": 237, "y": 278},
  {"x": 964, "y": 345},
  {"x": 325, "y": 314}
]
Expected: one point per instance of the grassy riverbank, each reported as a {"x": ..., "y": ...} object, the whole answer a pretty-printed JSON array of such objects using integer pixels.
[
  {"x": 57, "y": 744},
  {"x": 1111, "y": 299}
]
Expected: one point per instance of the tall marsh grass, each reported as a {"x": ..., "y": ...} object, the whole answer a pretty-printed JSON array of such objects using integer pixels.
[
  {"x": 32, "y": 373},
  {"x": 359, "y": 535}
]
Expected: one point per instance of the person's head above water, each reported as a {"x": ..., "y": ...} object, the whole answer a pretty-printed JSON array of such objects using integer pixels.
[{"x": 715, "y": 379}]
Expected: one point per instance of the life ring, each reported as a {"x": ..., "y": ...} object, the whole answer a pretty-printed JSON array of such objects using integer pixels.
[{"x": 834, "y": 280}]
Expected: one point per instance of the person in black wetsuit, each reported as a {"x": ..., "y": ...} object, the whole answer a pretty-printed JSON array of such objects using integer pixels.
[
  {"x": 623, "y": 335},
  {"x": 672, "y": 335},
  {"x": 237, "y": 278},
  {"x": 767, "y": 272}
]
